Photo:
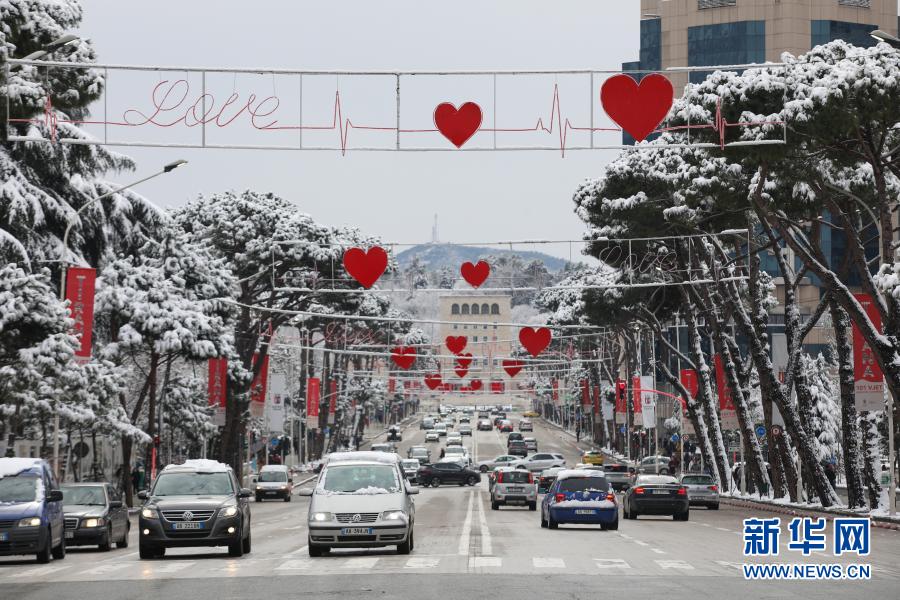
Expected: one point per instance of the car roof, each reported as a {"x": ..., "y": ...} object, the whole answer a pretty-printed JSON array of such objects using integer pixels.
[
  {"x": 660, "y": 479},
  {"x": 199, "y": 465},
  {"x": 362, "y": 457},
  {"x": 510, "y": 469},
  {"x": 579, "y": 473},
  {"x": 11, "y": 466},
  {"x": 83, "y": 484},
  {"x": 273, "y": 468},
  {"x": 553, "y": 470}
]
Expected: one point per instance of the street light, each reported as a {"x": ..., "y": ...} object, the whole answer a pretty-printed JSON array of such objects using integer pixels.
[
  {"x": 65, "y": 264},
  {"x": 884, "y": 36},
  {"x": 50, "y": 48}
]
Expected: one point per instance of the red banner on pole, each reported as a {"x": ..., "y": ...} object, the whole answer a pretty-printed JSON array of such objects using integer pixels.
[
  {"x": 258, "y": 387},
  {"x": 555, "y": 396},
  {"x": 636, "y": 393},
  {"x": 80, "y": 283},
  {"x": 621, "y": 399},
  {"x": 690, "y": 382},
  {"x": 585, "y": 393},
  {"x": 312, "y": 402},
  {"x": 218, "y": 381},
  {"x": 596, "y": 399},
  {"x": 726, "y": 402},
  {"x": 391, "y": 385},
  {"x": 868, "y": 380}
]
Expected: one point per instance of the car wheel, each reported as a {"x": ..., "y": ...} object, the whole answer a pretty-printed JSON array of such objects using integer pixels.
[
  {"x": 435, "y": 481},
  {"x": 495, "y": 506},
  {"x": 472, "y": 480},
  {"x": 483, "y": 468},
  {"x": 543, "y": 520},
  {"x": 106, "y": 544},
  {"x": 123, "y": 543},
  {"x": 146, "y": 552},
  {"x": 316, "y": 551},
  {"x": 614, "y": 526},
  {"x": 43, "y": 555},
  {"x": 246, "y": 543},
  {"x": 59, "y": 552},
  {"x": 551, "y": 522},
  {"x": 236, "y": 548},
  {"x": 407, "y": 546},
  {"x": 258, "y": 499},
  {"x": 532, "y": 506}
]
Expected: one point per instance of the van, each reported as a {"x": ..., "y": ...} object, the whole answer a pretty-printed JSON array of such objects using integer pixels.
[
  {"x": 31, "y": 510},
  {"x": 274, "y": 481}
]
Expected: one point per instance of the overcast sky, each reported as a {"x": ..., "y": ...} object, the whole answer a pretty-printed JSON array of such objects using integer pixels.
[{"x": 479, "y": 196}]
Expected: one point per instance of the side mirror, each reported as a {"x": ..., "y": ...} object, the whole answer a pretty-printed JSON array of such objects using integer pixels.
[
  {"x": 55, "y": 496},
  {"x": 143, "y": 495},
  {"x": 245, "y": 493},
  {"x": 412, "y": 490},
  {"x": 306, "y": 492},
  {"x": 115, "y": 504}
]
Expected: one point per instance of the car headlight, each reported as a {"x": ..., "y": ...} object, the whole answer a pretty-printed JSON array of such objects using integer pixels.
[
  {"x": 148, "y": 513},
  {"x": 393, "y": 515},
  {"x": 93, "y": 522},
  {"x": 321, "y": 516},
  {"x": 30, "y": 522},
  {"x": 228, "y": 511}
]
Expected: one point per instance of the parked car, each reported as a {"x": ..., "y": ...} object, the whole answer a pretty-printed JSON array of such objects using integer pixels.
[
  {"x": 499, "y": 461},
  {"x": 513, "y": 486},
  {"x": 656, "y": 495},
  {"x": 420, "y": 453},
  {"x": 198, "y": 503},
  {"x": 31, "y": 510},
  {"x": 485, "y": 425},
  {"x": 618, "y": 475},
  {"x": 580, "y": 496},
  {"x": 410, "y": 468},
  {"x": 274, "y": 481},
  {"x": 655, "y": 465},
  {"x": 702, "y": 490},
  {"x": 95, "y": 515},
  {"x": 531, "y": 413},
  {"x": 592, "y": 457},
  {"x": 540, "y": 461},
  {"x": 517, "y": 448},
  {"x": 546, "y": 478},
  {"x": 440, "y": 473},
  {"x": 432, "y": 436},
  {"x": 531, "y": 444},
  {"x": 526, "y": 425},
  {"x": 361, "y": 500},
  {"x": 465, "y": 429}
]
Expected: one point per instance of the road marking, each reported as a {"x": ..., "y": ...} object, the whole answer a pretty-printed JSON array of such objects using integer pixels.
[
  {"x": 674, "y": 564},
  {"x": 486, "y": 546},
  {"x": 705, "y": 524},
  {"x": 299, "y": 550},
  {"x": 466, "y": 528},
  {"x": 484, "y": 561},
  {"x": 626, "y": 536},
  {"x": 611, "y": 563},
  {"x": 104, "y": 569},
  {"x": 293, "y": 565},
  {"x": 640, "y": 543},
  {"x": 37, "y": 571},
  {"x": 173, "y": 567},
  {"x": 295, "y": 527},
  {"x": 360, "y": 562},
  {"x": 548, "y": 563},
  {"x": 722, "y": 529},
  {"x": 729, "y": 565},
  {"x": 658, "y": 551},
  {"x": 422, "y": 562}
]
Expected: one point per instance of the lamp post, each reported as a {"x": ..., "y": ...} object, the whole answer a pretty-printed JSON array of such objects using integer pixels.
[{"x": 64, "y": 267}]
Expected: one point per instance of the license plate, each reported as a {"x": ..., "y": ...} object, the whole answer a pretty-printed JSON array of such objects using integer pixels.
[
  {"x": 356, "y": 531},
  {"x": 187, "y": 525},
  {"x": 585, "y": 512},
  {"x": 661, "y": 492},
  {"x": 4, "y": 536},
  {"x": 70, "y": 535},
  {"x": 514, "y": 489}
]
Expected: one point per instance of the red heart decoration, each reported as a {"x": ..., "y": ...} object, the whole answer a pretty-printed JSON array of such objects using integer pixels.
[
  {"x": 461, "y": 371},
  {"x": 464, "y": 360},
  {"x": 456, "y": 344},
  {"x": 512, "y": 367},
  {"x": 366, "y": 266},
  {"x": 403, "y": 356},
  {"x": 457, "y": 125},
  {"x": 433, "y": 381},
  {"x": 638, "y": 108},
  {"x": 475, "y": 384},
  {"x": 535, "y": 339},
  {"x": 475, "y": 274}
]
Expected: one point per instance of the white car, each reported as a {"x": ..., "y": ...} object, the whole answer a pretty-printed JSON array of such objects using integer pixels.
[
  {"x": 454, "y": 438},
  {"x": 458, "y": 453},
  {"x": 440, "y": 428},
  {"x": 540, "y": 461},
  {"x": 503, "y": 460},
  {"x": 432, "y": 436}
]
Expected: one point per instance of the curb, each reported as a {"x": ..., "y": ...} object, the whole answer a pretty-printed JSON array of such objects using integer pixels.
[{"x": 797, "y": 511}]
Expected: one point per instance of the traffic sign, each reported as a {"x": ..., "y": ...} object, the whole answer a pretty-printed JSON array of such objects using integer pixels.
[
  {"x": 674, "y": 437},
  {"x": 760, "y": 430},
  {"x": 621, "y": 429},
  {"x": 776, "y": 430}
]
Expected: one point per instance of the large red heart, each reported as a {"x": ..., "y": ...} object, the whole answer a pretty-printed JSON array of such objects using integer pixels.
[
  {"x": 456, "y": 344},
  {"x": 461, "y": 371},
  {"x": 475, "y": 384},
  {"x": 535, "y": 339},
  {"x": 403, "y": 356},
  {"x": 512, "y": 367},
  {"x": 457, "y": 125},
  {"x": 366, "y": 266},
  {"x": 433, "y": 381},
  {"x": 637, "y": 108},
  {"x": 464, "y": 360},
  {"x": 475, "y": 274}
]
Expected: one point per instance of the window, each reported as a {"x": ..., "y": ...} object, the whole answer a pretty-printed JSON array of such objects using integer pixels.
[
  {"x": 465, "y": 326},
  {"x": 733, "y": 43},
  {"x": 475, "y": 309},
  {"x": 495, "y": 327},
  {"x": 701, "y": 4},
  {"x": 455, "y": 326},
  {"x": 485, "y": 325},
  {"x": 857, "y": 34},
  {"x": 465, "y": 309},
  {"x": 495, "y": 310},
  {"x": 494, "y": 338},
  {"x": 454, "y": 310},
  {"x": 856, "y": 3},
  {"x": 484, "y": 309}
]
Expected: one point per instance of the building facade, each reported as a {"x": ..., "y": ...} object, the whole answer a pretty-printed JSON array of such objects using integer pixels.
[{"x": 479, "y": 318}]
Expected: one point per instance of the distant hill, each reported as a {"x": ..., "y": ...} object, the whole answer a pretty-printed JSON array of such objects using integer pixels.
[{"x": 435, "y": 256}]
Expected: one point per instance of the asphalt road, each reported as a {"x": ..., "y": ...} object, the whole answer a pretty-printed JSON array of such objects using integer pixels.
[{"x": 462, "y": 548}]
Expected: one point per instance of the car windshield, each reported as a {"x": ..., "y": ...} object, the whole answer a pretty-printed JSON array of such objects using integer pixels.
[
  {"x": 361, "y": 479},
  {"x": 455, "y": 450},
  {"x": 697, "y": 480},
  {"x": 273, "y": 476},
  {"x": 419, "y": 451},
  {"x": 193, "y": 484},
  {"x": 18, "y": 489},
  {"x": 410, "y": 464},
  {"x": 83, "y": 494},
  {"x": 584, "y": 484}
]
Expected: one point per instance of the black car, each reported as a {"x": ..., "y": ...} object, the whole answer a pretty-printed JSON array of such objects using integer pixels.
[
  {"x": 447, "y": 472},
  {"x": 512, "y": 437},
  {"x": 198, "y": 503},
  {"x": 517, "y": 448},
  {"x": 656, "y": 495},
  {"x": 95, "y": 515}
]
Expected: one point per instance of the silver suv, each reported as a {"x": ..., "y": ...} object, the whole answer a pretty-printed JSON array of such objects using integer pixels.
[
  {"x": 361, "y": 500},
  {"x": 513, "y": 486}
]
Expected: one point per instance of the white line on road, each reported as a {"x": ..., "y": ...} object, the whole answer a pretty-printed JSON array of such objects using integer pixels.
[
  {"x": 300, "y": 549},
  {"x": 658, "y": 551},
  {"x": 422, "y": 562},
  {"x": 486, "y": 547},
  {"x": 292, "y": 565},
  {"x": 466, "y": 528},
  {"x": 611, "y": 563},
  {"x": 640, "y": 543},
  {"x": 484, "y": 561},
  {"x": 104, "y": 569},
  {"x": 294, "y": 528},
  {"x": 360, "y": 562},
  {"x": 173, "y": 567},
  {"x": 37, "y": 571},
  {"x": 722, "y": 529},
  {"x": 548, "y": 563},
  {"x": 674, "y": 564}
]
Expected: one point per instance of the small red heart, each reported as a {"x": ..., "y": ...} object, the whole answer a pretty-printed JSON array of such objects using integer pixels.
[
  {"x": 403, "y": 356},
  {"x": 464, "y": 360},
  {"x": 638, "y": 108},
  {"x": 366, "y": 266},
  {"x": 433, "y": 381},
  {"x": 456, "y": 344},
  {"x": 475, "y": 274},
  {"x": 512, "y": 367},
  {"x": 461, "y": 371},
  {"x": 475, "y": 384},
  {"x": 535, "y": 339},
  {"x": 457, "y": 125}
]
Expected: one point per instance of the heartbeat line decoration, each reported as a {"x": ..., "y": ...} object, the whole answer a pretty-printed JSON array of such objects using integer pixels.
[{"x": 371, "y": 111}]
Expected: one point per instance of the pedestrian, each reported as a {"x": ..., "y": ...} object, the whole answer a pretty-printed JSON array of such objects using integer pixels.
[{"x": 831, "y": 473}]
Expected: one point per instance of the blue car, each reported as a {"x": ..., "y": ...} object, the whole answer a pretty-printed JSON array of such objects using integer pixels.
[
  {"x": 31, "y": 510},
  {"x": 580, "y": 497}
]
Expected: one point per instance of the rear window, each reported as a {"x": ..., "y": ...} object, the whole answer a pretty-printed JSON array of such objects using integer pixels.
[
  {"x": 584, "y": 484},
  {"x": 697, "y": 479},
  {"x": 615, "y": 469},
  {"x": 515, "y": 476},
  {"x": 516, "y": 443}
]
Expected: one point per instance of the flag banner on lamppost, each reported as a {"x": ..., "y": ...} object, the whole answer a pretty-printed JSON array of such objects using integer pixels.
[
  {"x": 391, "y": 385},
  {"x": 312, "y": 402},
  {"x": 621, "y": 399},
  {"x": 258, "y": 387},
  {"x": 691, "y": 383},
  {"x": 596, "y": 400},
  {"x": 637, "y": 418},
  {"x": 585, "y": 393},
  {"x": 275, "y": 404},
  {"x": 648, "y": 401},
  {"x": 218, "y": 380},
  {"x": 80, "y": 282},
  {"x": 868, "y": 380},
  {"x": 555, "y": 392},
  {"x": 332, "y": 400},
  {"x": 727, "y": 415}
]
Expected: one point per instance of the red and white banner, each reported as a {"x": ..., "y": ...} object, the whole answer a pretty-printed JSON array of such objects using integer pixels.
[
  {"x": 258, "y": 387},
  {"x": 727, "y": 415},
  {"x": 596, "y": 400},
  {"x": 691, "y": 383},
  {"x": 80, "y": 283},
  {"x": 218, "y": 381},
  {"x": 868, "y": 380},
  {"x": 585, "y": 393},
  {"x": 555, "y": 392},
  {"x": 312, "y": 402},
  {"x": 391, "y": 385},
  {"x": 332, "y": 400}
]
